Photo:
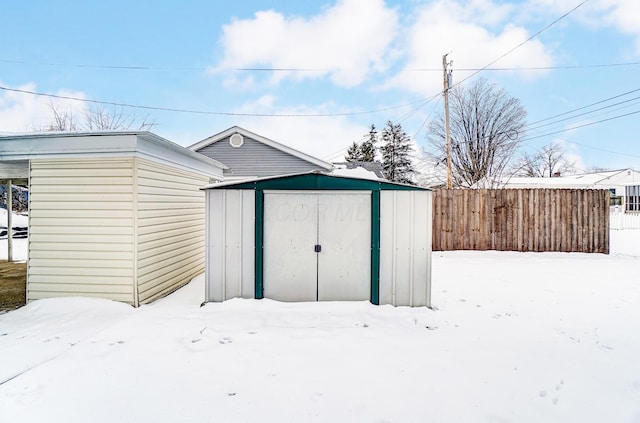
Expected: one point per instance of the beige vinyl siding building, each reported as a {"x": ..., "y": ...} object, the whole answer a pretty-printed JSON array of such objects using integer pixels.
[
  {"x": 112, "y": 215},
  {"x": 81, "y": 229},
  {"x": 170, "y": 228}
]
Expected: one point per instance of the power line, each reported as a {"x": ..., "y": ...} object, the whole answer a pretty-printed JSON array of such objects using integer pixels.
[
  {"x": 583, "y": 114},
  {"x": 296, "y": 69},
  {"x": 597, "y": 148},
  {"x": 581, "y": 126},
  {"x": 207, "y": 112},
  {"x": 420, "y": 106},
  {"x": 585, "y": 107},
  {"x": 597, "y": 65},
  {"x": 424, "y": 122},
  {"x": 524, "y": 42}
]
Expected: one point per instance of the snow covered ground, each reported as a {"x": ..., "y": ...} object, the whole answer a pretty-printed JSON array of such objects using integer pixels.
[{"x": 516, "y": 337}]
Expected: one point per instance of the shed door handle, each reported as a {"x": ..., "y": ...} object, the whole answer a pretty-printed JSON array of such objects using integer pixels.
[{"x": 317, "y": 248}]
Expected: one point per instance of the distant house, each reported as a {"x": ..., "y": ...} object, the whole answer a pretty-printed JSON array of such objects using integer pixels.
[
  {"x": 249, "y": 155},
  {"x": 623, "y": 184}
]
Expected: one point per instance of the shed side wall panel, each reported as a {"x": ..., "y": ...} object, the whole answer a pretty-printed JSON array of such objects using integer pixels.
[
  {"x": 170, "y": 228},
  {"x": 81, "y": 226},
  {"x": 405, "y": 248},
  {"x": 231, "y": 245}
]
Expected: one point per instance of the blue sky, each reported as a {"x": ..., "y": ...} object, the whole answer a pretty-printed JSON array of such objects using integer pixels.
[{"x": 355, "y": 62}]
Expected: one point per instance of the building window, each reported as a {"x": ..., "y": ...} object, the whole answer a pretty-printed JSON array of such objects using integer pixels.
[
  {"x": 614, "y": 200},
  {"x": 632, "y": 198}
]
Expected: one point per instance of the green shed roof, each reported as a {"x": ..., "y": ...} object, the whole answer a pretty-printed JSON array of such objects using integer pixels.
[{"x": 315, "y": 181}]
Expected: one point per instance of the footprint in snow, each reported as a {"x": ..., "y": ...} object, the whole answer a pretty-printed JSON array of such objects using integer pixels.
[{"x": 225, "y": 340}]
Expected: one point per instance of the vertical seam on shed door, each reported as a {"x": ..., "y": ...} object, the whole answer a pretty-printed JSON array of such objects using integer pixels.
[
  {"x": 394, "y": 243},
  {"x": 318, "y": 243},
  {"x": 375, "y": 247},
  {"x": 259, "y": 241},
  {"x": 411, "y": 245},
  {"x": 240, "y": 243}
]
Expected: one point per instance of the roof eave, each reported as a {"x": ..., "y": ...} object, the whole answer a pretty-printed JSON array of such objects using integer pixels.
[{"x": 271, "y": 143}]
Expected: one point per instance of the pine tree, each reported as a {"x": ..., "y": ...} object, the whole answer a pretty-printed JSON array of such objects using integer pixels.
[
  {"x": 354, "y": 153},
  {"x": 396, "y": 154},
  {"x": 368, "y": 147}
]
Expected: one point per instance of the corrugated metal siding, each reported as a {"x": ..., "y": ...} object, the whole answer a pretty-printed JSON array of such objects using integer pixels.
[
  {"x": 254, "y": 158},
  {"x": 405, "y": 248},
  {"x": 230, "y": 244},
  {"x": 81, "y": 229},
  {"x": 171, "y": 217}
]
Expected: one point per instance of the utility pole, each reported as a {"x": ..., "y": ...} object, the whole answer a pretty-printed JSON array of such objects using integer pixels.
[{"x": 446, "y": 79}]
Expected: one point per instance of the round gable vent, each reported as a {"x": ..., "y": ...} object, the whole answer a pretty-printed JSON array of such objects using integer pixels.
[{"x": 236, "y": 140}]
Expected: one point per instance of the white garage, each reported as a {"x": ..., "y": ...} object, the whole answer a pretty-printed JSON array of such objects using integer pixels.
[{"x": 318, "y": 237}]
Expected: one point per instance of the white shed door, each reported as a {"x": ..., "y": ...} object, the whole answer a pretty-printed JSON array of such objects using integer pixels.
[
  {"x": 317, "y": 246},
  {"x": 344, "y": 234}
]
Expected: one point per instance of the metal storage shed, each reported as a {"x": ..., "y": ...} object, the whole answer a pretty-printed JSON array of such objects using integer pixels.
[
  {"x": 313, "y": 237},
  {"x": 117, "y": 215}
]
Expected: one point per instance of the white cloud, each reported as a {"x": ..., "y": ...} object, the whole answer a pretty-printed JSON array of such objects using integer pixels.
[
  {"x": 318, "y": 136},
  {"x": 466, "y": 31},
  {"x": 347, "y": 41},
  {"x": 572, "y": 154},
  {"x": 622, "y": 15},
  {"x": 22, "y": 112}
]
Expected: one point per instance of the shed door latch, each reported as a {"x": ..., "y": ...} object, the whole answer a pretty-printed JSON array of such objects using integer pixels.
[{"x": 317, "y": 248}]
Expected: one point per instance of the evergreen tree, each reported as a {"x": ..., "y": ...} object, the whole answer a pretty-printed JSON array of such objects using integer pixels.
[
  {"x": 354, "y": 153},
  {"x": 396, "y": 152},
  {"x": 368, "y": 147}
]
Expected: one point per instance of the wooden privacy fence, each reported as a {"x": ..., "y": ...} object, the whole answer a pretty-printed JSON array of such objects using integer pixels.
[{"x": 569, "y": 220}]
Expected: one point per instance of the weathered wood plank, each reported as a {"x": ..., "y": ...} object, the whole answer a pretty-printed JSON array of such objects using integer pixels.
[{"x": 521, "y": 220}]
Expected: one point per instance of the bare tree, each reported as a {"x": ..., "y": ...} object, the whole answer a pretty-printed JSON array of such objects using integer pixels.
[
  {"x": 60, "y": 120},
  {"x": 547, "y": 162},
  {"x": 486, "y": 130},
  {"x": 96, "y": 118},
  {"x": 101, "y": 119}
]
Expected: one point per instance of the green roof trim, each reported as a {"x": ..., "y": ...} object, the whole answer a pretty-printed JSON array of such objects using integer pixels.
[{"x": 316, "y": 181}]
